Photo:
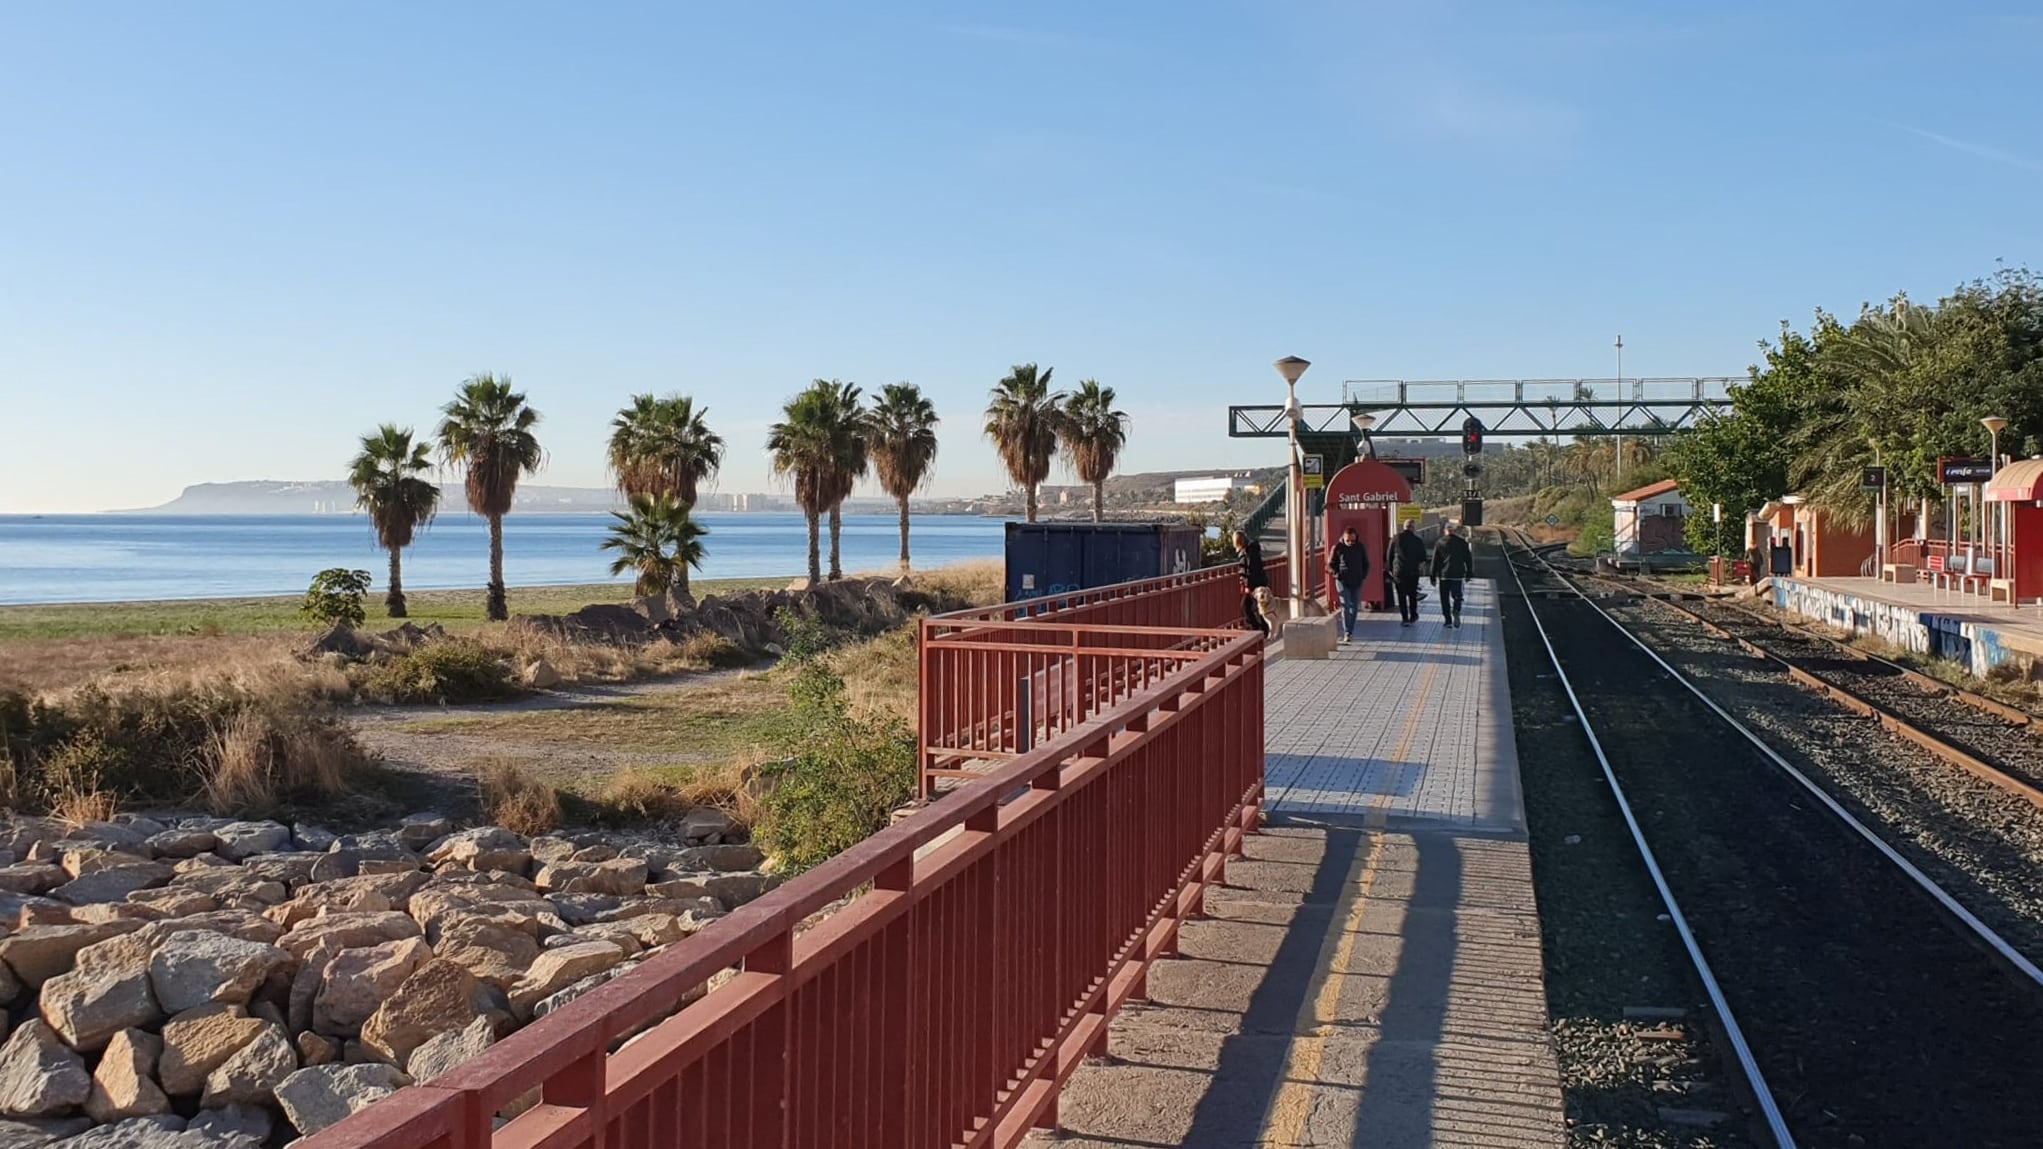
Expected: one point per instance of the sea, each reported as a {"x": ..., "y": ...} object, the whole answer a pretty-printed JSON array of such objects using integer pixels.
[{"x": 125, "y": 558}]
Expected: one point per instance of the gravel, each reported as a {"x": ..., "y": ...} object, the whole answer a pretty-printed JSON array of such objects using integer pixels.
[{"x": 1874, "y": 1021}]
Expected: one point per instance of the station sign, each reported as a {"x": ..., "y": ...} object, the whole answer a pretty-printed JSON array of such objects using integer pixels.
[
  {"x": 1872, "y": 478},
  {"x": 1952, "y": 472},
  {"x": 1314, "y": 469}
]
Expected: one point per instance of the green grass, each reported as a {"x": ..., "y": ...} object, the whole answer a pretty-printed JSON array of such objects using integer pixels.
[{"x": 454, "y": 609}]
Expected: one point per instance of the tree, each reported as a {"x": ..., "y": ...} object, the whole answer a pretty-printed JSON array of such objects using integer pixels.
[
  {"x": 389, "y": 481},
  {"x": 335, "y": 597},
  {"x": 664, "y": 447},
  {"x": 801, "y": 447},
  {"x": 1022, "y": 420},
  {"x": 849, "y": 459},
  {"x": 1094, "y": 434},
  {"x": 658, "y": 540},
  {"x": 488, "y": 432},
  {"x": 903, "y": 446}
]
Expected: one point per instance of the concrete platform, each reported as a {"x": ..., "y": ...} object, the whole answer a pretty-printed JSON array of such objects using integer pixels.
[
  {"x": 1371, "y": 976},
  {"x": 1945, "y": 623}
]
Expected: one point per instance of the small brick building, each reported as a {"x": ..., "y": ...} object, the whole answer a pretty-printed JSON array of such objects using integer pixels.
[{"x": 1650, "y": 520}]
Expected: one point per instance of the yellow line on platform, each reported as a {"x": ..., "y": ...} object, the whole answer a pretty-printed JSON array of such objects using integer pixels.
[{"x": 1292, "y": 1107}]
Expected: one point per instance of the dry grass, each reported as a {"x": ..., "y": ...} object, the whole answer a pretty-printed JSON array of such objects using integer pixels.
[
  {"x": 880, "y": 674},
  {"x": 980, "y": 583},
  {"x": 515, "y": 800},
  {"x": 75, "y": 808},
  {"x": 256, "y": 761}
]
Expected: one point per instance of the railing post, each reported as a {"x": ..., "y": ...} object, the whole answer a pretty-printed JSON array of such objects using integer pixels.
[{"x": 771, "y": 1080}]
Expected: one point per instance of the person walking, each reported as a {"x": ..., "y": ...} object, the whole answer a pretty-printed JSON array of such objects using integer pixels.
[
  {"x": 1254, "y": 579},
  {"x": 1348, "y": 562},
  {"x": 1407, "y": 567},
  {"x": 1453, "y": 562}
]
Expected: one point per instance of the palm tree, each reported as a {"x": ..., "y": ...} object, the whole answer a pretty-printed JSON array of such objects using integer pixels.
[
  {"x": 801, "y": 447},
  {"x": 664, "y": 447},
  {"x": 850, "y": 458},
  {"x": 903, "y": 442},
  {"x": 659, "y": 540},
  {"x": 488, "y": 432},
  {"x": 387, "y": 480},
  {"x": 1022, "y": 421},
  {"x": 1093, "y": 434}
]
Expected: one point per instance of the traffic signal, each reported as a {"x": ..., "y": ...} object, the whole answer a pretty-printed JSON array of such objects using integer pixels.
[{"x": 1471, "y": 436}]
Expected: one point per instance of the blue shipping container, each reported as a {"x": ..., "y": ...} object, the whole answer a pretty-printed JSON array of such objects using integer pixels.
[{"x": 1059, "y": 558}]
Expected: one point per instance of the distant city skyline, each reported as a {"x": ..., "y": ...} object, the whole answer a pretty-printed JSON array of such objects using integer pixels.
[{"x": 239, "y": 236}]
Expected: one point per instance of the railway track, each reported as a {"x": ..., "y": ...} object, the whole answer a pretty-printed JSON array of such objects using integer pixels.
[{"x": 1866, "y": 1005}]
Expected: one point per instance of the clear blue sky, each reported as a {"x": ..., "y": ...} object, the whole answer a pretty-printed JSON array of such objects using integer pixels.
[{"x": 235, "y": 236}]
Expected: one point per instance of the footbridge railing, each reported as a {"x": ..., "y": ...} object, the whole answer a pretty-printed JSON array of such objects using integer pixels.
[{"x": 969, "y": 957}]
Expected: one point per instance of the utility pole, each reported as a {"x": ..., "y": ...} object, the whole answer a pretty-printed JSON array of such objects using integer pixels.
[{"x": 1620, "y": 395}]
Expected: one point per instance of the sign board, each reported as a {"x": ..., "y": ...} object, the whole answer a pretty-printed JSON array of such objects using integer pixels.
[
  {"x": 1409, "y": 513},
  {"x": 1954, "y": 472},
  {"x": 1873, "y": 479},
  {"x": 1553, "y": 520},
  {"x": 1314, "y": 468},
  {"x": 1413, "y": 471}
]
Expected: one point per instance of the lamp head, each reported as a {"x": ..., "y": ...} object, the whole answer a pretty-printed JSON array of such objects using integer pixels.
[
  {"x": 1364, "y": 421},
  {"x": 1291, "y": 367},
  {"x": 1994, "y": 424}
]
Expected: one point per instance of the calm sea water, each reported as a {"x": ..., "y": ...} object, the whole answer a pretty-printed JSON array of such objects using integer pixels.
[{"x": 114, "y": 558}]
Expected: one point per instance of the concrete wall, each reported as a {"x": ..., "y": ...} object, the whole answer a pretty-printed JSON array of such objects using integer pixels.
[{"x": 1978, "y": 646}]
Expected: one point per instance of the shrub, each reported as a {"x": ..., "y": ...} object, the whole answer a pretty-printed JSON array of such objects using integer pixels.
[
  {"x": 335, "y": 596},
  {"x": 638, "y": 796},
  {"x": 514, "y": 800},
  {"x": 841, "y": 785},
  {"x": 803, "y": 638},
  {"x": 454, "y": 670},
  {"x": 711, "y": 651}
]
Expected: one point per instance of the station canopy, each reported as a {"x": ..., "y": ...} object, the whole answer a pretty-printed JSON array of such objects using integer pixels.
[{"x": 2018, "y": 482}]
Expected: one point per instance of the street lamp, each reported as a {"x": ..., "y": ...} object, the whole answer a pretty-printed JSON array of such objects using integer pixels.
[
  {"x": 1363, "y": 423},
  {"x": 1291, "y": 367},
  {"x": 1620, "y": 395},
  {"x": 1994, "y": 424}
]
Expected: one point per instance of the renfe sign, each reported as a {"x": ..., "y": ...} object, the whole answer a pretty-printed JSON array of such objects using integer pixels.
[{"x": 1956, "y": 472}]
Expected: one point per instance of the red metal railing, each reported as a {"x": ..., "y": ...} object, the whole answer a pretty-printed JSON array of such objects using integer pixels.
[
  {"x": 1207, "y": 598},
  {"x": 986, "y": 942}
]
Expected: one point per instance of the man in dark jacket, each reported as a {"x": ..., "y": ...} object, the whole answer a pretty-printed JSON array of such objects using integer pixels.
[
  {"x": 1407, "y": 567},
  {"x": 1452, "y": 564},
  {"x": 1253, "y": 578},
  {"x": 1348, "y": 562}
]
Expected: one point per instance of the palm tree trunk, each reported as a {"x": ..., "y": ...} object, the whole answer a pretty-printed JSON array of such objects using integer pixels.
[
  {"x": 815, "y": 550},
  {"x": 680, "y": 587},
  {"x": 499, "y": 609},
  {"x": 1030, "y": 505},
  {"x": 1099, "y": 500},
  {"x": 904, "y": 534},
  {"x": 836, "y": 529},
  {"x": 393, "y": 603}
]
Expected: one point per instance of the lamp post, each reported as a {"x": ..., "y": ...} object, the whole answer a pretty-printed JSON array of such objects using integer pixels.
[
  {"x": 1291, "y": 367},
  {"x": 1620, "y": 395},
  {"x": 1994, "y": 424},
  {"x": 1363, "y": 423}
]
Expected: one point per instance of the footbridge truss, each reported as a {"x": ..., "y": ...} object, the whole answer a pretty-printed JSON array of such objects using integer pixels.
[{"x": 1550, "y": 408}]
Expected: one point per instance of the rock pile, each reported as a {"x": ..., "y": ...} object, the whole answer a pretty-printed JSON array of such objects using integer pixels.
[
  {"x": 196, "y": 982},
  {"x": 750, "y": 619}
]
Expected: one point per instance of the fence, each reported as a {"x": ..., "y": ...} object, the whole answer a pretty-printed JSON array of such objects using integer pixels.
[
  {"x": 985, "y": 943},
  {"x": 1196, "y": 600}
]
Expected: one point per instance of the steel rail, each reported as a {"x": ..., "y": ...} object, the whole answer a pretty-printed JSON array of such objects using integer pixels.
[
  {"x": 1748, "y": 1064},
  {"x": 1982, "y": 932}
]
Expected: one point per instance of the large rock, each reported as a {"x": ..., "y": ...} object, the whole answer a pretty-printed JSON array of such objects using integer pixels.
[
  {"x": 441, "y": 902},
  {"x": 156, "y": 1131},
  {"x": 324, "y": 1095},
  {"x": 42, "y": 952},
  {"x": 317, "y": 839},
  {"x": 231, "y": 886},
  {"x": 38, "y": 1132},
  {"x": 124, "y": 1085},
  {"x": 489, "y": 948},
  {"x": 198, "y": 968},
  {"x": 443, "y": 1051},
  {"x": 345, "y": 861},
  {"x": 548, "y": 849},
  {"x": 417, "y": 831},
  {"x": 347, "y": 931},
  {"x": 183, "y": 843},
  {"x": 356, "y": 982},
  {"x": 174, "y": 901},
  {"x": 438, "y": 996},
  {"x": 200, "y": 1041},
  {"x": 31, "y": 877},
  {"x": 735, "y": 890},
  {"x": 80, "y": 858},
  {"x": 106, "y": 992},
  {"x": 556, "y": 969},
  {"x": 293, "y": 870},
  {"x": 235, "y": 923},
  {"x": 252, "y": 1074},
  {"x": 619, "y": 877},
  {"x": 239, "y": 840},
  {"x": 39, "y": 1077},
  {"x": 112, "y": 885},
  {"x": 705, "y": 823},
  {"x": 248, "y": 1124},
  {"x": 484, "y": 848}
]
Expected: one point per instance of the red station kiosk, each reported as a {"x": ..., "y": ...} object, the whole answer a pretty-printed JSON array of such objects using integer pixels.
[
  {"x": 1365, "y": 495},
  {"x": 2018, "y": 487}
]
